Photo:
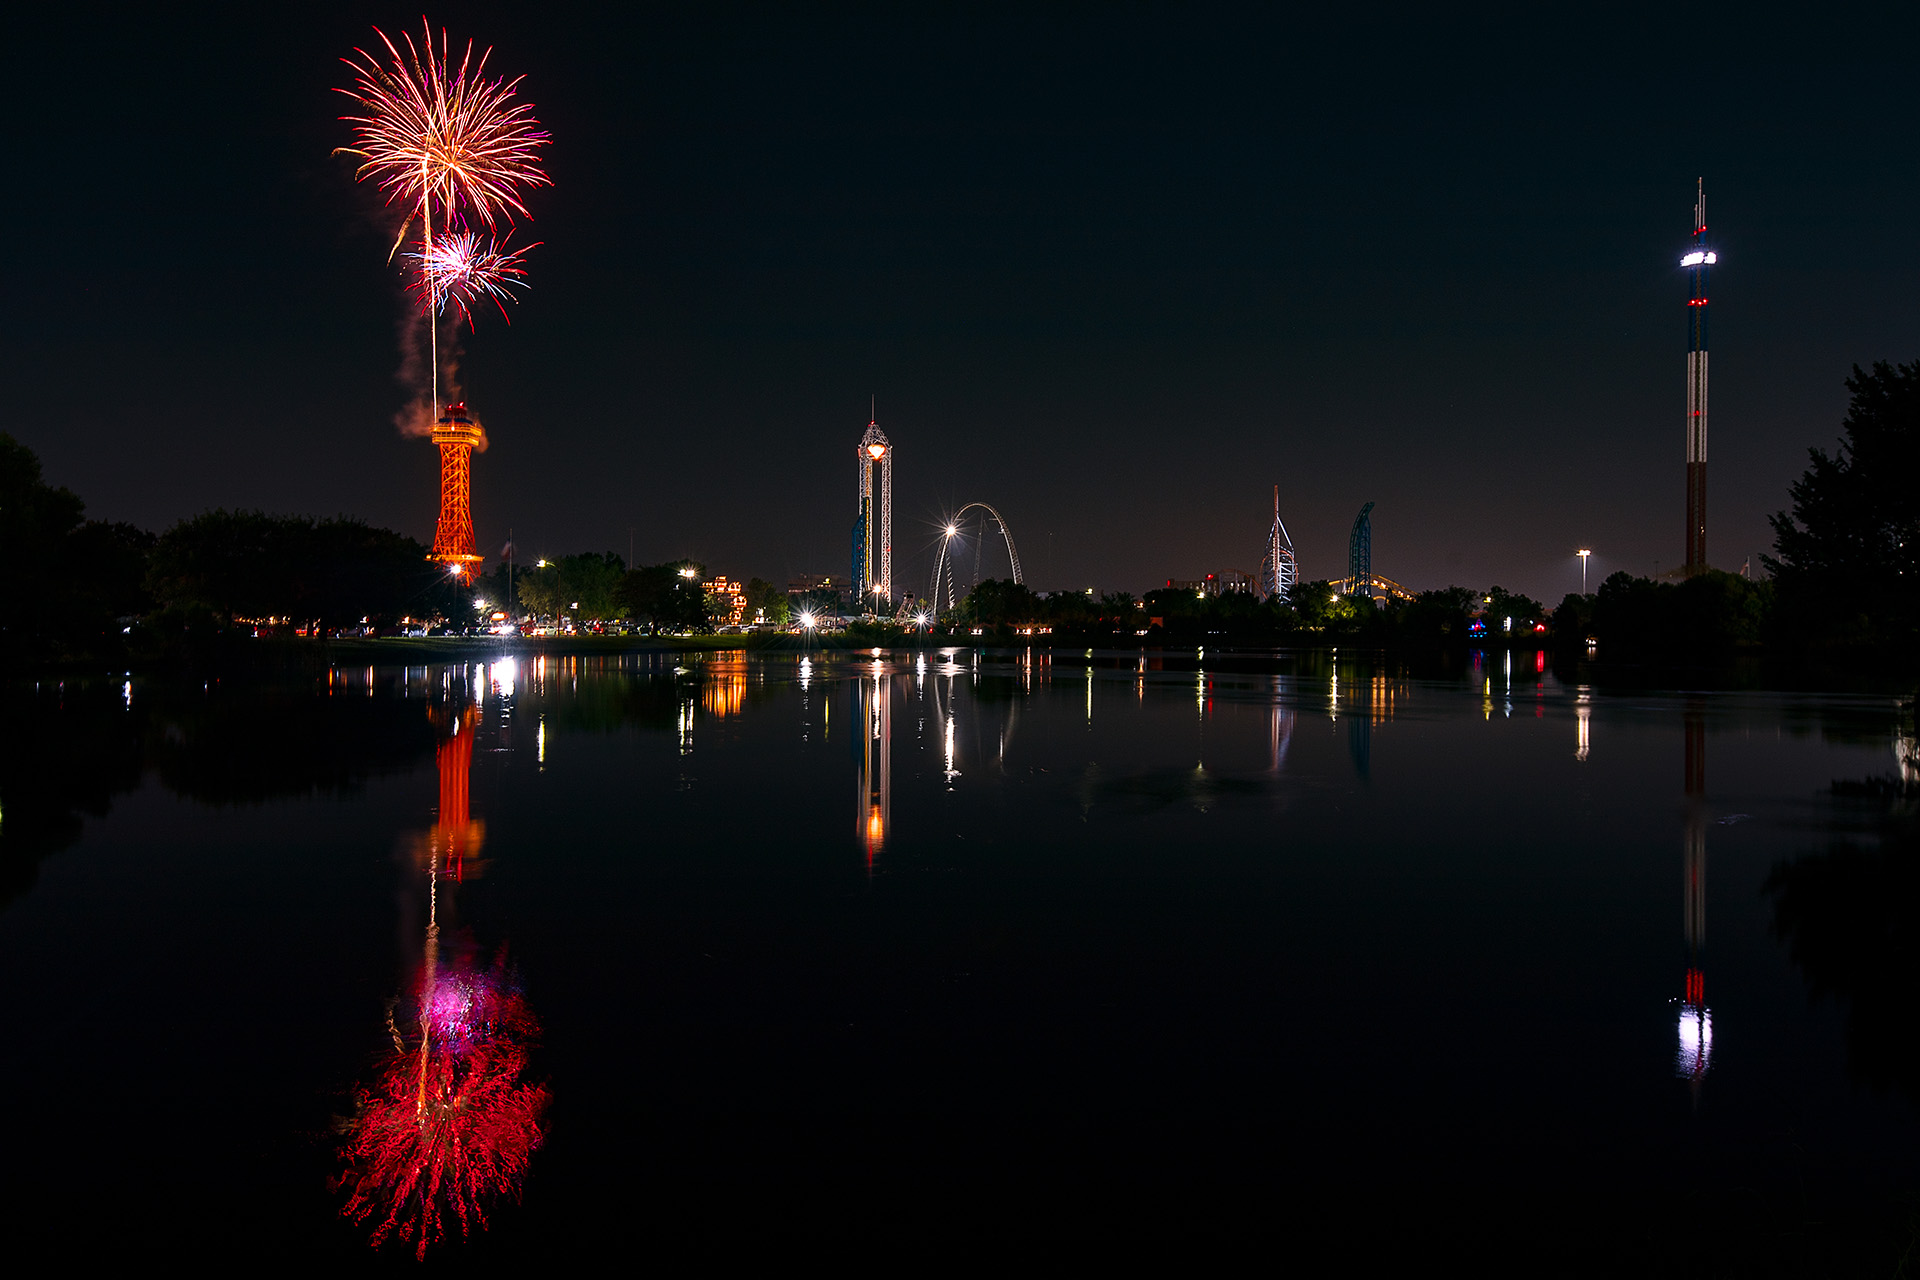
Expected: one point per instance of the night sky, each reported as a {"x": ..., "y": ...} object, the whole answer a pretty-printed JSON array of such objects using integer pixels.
[{"x": 1115, "y": 270}]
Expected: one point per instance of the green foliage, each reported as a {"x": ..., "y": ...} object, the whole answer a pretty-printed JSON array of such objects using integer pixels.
[
  {"x": 247, "y": 564},
  {"x": 1848, "y": 555},
  {"x": 664, "y": 597},
  {"x": 1000, "y": 602},
  {"x": 1439, "y": 617},
  {"x": 821, "y": 602},
  {"x": 767, "y": 602},
  {"x": 585, "y": 586},
  {"x": 1707, "y": 614},
  {"x": 74, "y": 578},
  {"x": 1502, "y": 604},
  {"x": 1573, "y": 620}
]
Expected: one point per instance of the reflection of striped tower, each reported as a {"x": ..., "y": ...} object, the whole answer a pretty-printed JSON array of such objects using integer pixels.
[
  {"x": 1696, "y": 1020},
  {"x": 873, "y": 704},
  {"x": 1698, "y": 261},
  {"x": 457, "y": 434}
]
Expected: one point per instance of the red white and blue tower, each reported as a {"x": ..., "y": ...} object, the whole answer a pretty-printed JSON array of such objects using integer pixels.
[{"x": 1698, "y": 261}]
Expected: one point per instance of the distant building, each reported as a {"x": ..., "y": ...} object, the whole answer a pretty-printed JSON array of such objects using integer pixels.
[
  {"x": 726, "y": 601},
  {"x": 801, "y": 583},
  {"x": 1216, "y": 584}
]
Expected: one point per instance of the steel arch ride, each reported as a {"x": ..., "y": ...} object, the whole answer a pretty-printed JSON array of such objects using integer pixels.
[
  {"x": 944, "y": 563},
  {"x": 1360, "y": 546}
]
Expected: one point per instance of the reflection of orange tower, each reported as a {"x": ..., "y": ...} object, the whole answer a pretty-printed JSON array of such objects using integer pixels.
[
  {"x": 457, "y": 435},
  {"x": 456, "y": 837}
]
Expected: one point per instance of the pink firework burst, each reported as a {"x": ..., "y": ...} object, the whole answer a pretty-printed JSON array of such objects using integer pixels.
[
  {"x": 460, "y": 269},
  {"x": 437, "y": 137}
]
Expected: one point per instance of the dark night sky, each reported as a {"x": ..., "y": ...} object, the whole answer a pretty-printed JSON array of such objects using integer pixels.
[{"x": 1114, "y": 269}]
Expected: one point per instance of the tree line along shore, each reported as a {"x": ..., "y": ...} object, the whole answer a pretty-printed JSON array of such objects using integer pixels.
[{"x": 1843, "y": 579}]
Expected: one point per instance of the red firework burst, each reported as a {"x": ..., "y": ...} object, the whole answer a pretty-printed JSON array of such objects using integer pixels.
[{"x": 451, "y": 1122}]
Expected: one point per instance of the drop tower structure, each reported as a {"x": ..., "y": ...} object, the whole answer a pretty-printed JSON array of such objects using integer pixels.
[
  {"x": 1279, "y": 569},
  {"x": 1698, "y": 261},
  {"x": 457, "y": 435},
  {"x": 873, "y": 531}
]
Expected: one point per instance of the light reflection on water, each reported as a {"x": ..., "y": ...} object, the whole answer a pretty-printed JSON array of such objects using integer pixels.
[{"x": 1085, "y": 895}]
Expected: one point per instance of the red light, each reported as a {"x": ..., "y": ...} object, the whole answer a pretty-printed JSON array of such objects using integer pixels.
[{"x": 1697, "y": 302}]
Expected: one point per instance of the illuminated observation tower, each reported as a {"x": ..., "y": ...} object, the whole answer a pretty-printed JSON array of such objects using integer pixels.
[
  {"x": 1698, "y": 261},
  {"x": 873, "y": 532},
  {"x": 456, "y": 434}
]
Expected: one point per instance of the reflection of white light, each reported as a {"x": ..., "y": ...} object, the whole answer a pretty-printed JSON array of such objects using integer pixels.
[
  {"x": 505, "y": 672},
  {"x": 806, "y": 672},
  {"x": 540, "y": 741},
  {"x": 1696, "y": 1041}
]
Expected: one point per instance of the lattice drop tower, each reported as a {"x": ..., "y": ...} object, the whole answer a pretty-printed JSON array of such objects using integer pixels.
[
  {"x": 873, "y": 534},
  {"x": 1698, "y": 261},
  {"x": 1279, "y": 570},
  {"x": 456, "y": 434}
]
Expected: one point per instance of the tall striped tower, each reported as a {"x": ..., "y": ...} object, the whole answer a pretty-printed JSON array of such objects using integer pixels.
[
  {"x": 873, "y": 535},
  {"x": 1698, "y": 261}
]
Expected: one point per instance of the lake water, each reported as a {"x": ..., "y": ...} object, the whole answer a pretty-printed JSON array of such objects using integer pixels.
[{"x": 956, "y": 943}]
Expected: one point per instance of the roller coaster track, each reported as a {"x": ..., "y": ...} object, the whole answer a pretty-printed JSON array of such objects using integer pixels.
[{"x": 944, "y": 563}]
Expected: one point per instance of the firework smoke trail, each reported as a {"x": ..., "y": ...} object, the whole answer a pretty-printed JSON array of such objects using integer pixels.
[
  {"x": 462, "y": 270},
  {"x": 446, "y": 136}
]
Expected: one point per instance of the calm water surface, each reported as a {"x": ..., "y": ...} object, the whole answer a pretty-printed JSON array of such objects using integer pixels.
[{"x": 954, "y": 943}]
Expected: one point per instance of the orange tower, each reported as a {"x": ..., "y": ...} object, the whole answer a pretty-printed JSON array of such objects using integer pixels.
[{"x": 456, "y": 434}]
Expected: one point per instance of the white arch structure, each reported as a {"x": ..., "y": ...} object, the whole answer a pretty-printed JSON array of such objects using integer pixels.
[{"x": 944, "y": 563}]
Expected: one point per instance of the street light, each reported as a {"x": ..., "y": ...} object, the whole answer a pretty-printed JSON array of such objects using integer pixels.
[
  {"x": 689, "y": 573},
  {"x": 1583, "y": 553}
]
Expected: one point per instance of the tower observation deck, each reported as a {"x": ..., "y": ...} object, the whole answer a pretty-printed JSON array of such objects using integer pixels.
[{"x": 457, "y": 435}]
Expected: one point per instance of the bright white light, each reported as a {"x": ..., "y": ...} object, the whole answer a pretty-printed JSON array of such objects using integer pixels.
[
  {"x": 1696, "y": 1041},
  {"x": 920, "y": 618},
  {"x": 952, "y": 530},
  {"x": 807, "y": 620},
  {"x": 1699, "y": 257},
  {"x": 689, "y": 573}
]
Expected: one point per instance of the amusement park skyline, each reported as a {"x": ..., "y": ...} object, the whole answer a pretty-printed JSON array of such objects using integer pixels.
[{"x": 1115, "y": 274}]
